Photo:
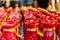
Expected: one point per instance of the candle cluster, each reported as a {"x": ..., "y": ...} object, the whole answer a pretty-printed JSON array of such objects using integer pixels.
[
  {"x": 39, "y": 21},
  {"x": 39, "y": 24}
]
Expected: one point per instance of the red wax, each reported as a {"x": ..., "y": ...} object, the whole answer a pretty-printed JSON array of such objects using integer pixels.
[
  {"x": 31, "y": 23},
  {"x": 48, "y": 22},
  {"x": 8, "y": 36},
  {"x": 48, "y": 35},
  {"x": 10, "y": 24},
  {"x": 31, "y": 35}
]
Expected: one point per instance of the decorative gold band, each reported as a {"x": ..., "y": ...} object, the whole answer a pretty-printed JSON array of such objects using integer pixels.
[
  {"x": 9, "y": 30},
  {"x": 31, "y": 29},
  {"x": 50, "y": 29}
]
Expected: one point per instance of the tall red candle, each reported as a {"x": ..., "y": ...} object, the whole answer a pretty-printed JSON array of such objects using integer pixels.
[
  {"x": 31, "y": 32},
  {"x": 48, "y": 30},
  {"x": 9, "y": 30}
]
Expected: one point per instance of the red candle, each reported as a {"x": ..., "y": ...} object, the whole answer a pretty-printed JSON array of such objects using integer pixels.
[
  {"x": 31, "y": 33},
  {"x": 8, "y": 32},
  {"x": 48, "y": 23},
  {"x": 48, "y": 35}
]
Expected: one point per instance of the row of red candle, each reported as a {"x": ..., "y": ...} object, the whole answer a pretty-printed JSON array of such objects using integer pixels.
[{"x": 48, "y": 22}]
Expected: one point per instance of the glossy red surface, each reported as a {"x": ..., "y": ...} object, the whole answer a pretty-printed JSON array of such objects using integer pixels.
[
  {"x": 31, "y": 23},
  {"x": 48, "y": 35},
  {"x": 31, "y": 35},
  {"x": 8, "y": 36}
]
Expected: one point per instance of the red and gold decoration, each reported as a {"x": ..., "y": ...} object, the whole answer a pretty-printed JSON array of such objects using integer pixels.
[
  {"x": 37, "y": 22},
  {"x": 43, "y": 22},
  {"x": 11, "y": 24}
]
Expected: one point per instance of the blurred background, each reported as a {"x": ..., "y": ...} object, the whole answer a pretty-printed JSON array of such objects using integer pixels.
[{"x": 46, "y": 4}]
